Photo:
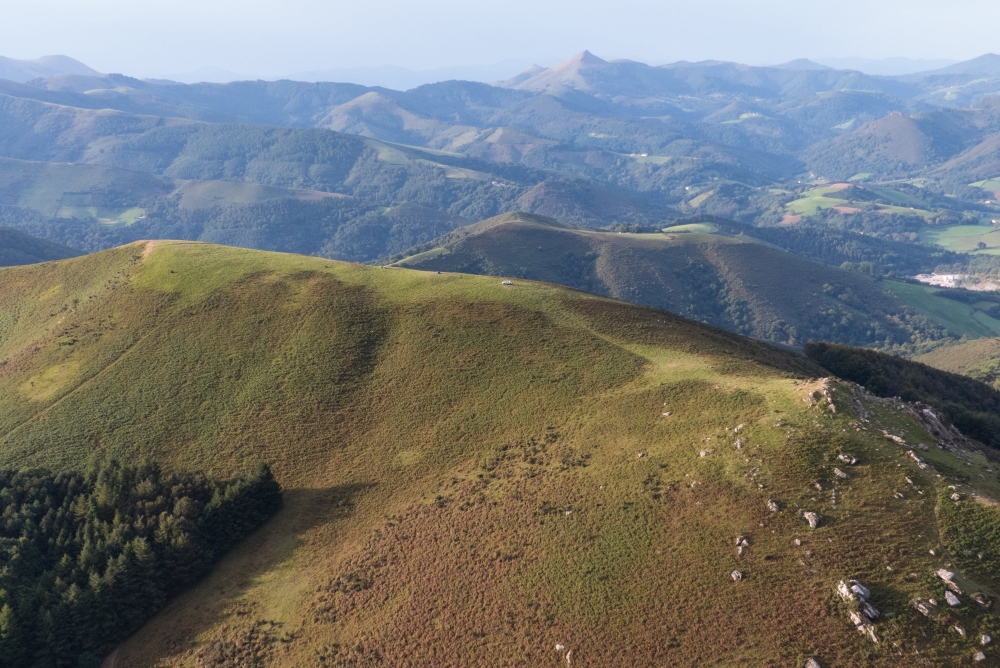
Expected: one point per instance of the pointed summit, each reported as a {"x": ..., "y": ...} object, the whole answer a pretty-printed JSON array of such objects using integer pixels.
[
  {"x": 584, "y": 58},
  {"x": 570, "y": 73}
]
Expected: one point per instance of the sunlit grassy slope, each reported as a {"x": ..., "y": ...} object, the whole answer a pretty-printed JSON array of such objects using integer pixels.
[{"x": 476, "y": 473}]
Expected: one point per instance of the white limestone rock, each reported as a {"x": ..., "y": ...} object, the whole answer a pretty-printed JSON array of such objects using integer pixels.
[{"x": 860, "y": 590}]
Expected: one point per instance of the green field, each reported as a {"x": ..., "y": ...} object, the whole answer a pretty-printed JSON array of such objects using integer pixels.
[
  {"x": 991, "y": 185},
  {"x": 958, "y": 318},
  {"x": 814, "y": 200},
  {"x": 475, "y": 472},
  {"x": 101, "y": 214},
  {"x": 696, "y": 228},
  {"x": 824, "y": 197},
  {"x": 964, "y": 238}
]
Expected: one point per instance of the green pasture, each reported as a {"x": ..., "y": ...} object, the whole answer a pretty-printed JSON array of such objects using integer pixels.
[
  {"x": 693, "y": 228},
  {"x": 964, "y": 238},
  {"x": 815, "y": 200},
  {"x": 958, "y": 318},
  {"x": 990, "y": 184}
]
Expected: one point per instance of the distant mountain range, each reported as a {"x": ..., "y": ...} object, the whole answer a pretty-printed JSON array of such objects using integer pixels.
[{"x": 361, "y": 173}]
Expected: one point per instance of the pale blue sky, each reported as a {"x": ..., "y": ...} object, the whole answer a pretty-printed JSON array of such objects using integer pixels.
[{"x": 274, "y": 37}]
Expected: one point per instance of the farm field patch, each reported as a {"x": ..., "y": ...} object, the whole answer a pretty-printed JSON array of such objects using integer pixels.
[
  {"x": 958, "y": 318},
  {"x": 964, "y": 238}
]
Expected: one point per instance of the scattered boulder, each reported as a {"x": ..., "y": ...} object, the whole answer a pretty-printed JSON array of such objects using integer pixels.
[
  {"x": 979, "y": 656},
  {"x": 864, "y": 626},
  {"x": 812, "y": 518},
  {"x": 848, "y": 459},
  {"x": 982, "y": 600},
  {"x": 811, "y": 663},
  {"x": 705, "y": 453},
  {"x": 959, "y": 630},
  {"x": 898, "y": 495},
  {"x": 666, "y": 414},
  {"x": 952, "y": 600},
  {"x": 736, "y": 576},
  {"x": 642, "y": 454},
  {"x": 560, "y": 647},
  {"x": 926, "y": 607},
  {"x": 893, "y": 437},
  {"x": 985, "y": 640},
  {"x": 739, "y": 444},
  {"x": 738, "y": 428},
  {"x": 956, "y": 497},
  {"x": 845, "y": 591},
  {"x": 870, "y": 611},
  {"x": 772, "y": 505},
  {"x": 840, "y": 474},
  {"x": 861, "y": 590}
]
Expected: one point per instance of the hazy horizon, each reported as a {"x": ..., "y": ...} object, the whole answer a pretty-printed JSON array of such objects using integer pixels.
[{"x": 265, "y": 38}]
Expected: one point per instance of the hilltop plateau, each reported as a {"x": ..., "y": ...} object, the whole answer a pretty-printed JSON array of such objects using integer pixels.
[{"x": 490, "y": 474}]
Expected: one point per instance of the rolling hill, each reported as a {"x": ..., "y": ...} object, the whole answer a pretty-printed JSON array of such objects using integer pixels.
[
  {"x": 25, "y": 70},
  {"x": 493, "y": 475},
  {"x": 19, "y": 248},
  {"x": 731, "y": 281}
]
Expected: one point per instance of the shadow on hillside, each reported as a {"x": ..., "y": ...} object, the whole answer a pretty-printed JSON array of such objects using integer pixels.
[{"x": 220, "y": 598}]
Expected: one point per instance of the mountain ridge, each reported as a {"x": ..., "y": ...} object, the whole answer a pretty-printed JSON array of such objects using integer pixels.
[{"x": 592, "y": 457}]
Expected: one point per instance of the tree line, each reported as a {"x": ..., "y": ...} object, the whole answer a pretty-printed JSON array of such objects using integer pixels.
[{"x": 87, "y": 557}]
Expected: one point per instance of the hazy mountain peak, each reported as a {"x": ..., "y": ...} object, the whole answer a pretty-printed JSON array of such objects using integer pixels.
[
  {"x": 570, "y": 73},
  {"x": 584, "y": 58},
  {"x": 987, "y": 64},
  {"x": 26, "y": 70},
  {"x": 802, "y": 64}
]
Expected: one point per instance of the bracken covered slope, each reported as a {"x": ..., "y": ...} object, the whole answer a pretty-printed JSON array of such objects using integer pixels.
[
  {"x": 490, "y": 475},
  {"x": 730, "y": 281},
  {"x": 20, "y": 248}
]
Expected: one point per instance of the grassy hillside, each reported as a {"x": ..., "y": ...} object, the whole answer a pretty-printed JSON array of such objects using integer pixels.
[
  {"x": 478, "y": 473},
  {"x": 978, "y": 358},
  {"x": 733, "y": 282},
  {"x": 19, "y": 248}
]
